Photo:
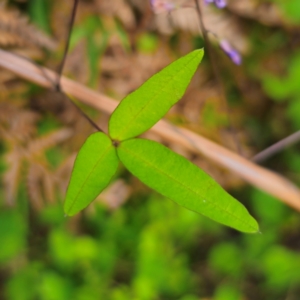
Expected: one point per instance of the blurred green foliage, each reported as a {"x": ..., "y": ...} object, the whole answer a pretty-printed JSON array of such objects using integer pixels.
[
  {"x": 291, "y": 9},
  {"x": 150, "y": 248},
  {"x": 286, "y": 88},
  {"x": 38, "y": 11}
]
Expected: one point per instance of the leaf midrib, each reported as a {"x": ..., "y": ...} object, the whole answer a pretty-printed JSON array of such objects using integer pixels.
[
  {"x": 154, "y": 97},
  {"x": 89, "y": 175},
  {"x": 194, "y": 192}
]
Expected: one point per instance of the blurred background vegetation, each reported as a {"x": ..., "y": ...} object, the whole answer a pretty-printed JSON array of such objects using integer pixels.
[{"x": 132, "y": 243}]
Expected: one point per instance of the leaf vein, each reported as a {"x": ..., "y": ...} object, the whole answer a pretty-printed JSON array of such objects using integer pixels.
[
  {"x": 89, "y": 175},
  {"x": 188, "y": 188}
]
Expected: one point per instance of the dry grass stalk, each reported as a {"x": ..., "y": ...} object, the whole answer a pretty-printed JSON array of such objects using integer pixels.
[{"x": 262, "y": 178}]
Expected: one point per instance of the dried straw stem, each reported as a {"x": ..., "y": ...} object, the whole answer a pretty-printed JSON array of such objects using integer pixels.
[{"x": 262, "y": 178}]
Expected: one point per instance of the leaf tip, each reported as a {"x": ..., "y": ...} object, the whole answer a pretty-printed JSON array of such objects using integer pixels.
[
  {"x": 69, "y": 210},
  {"x": 200, "y": 52},
  {"x": 254, "y": 227}
]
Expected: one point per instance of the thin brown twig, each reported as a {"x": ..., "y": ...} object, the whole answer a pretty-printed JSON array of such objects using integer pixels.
[
  {"x": 277, "y": 147},
  {"x": 83, "y": 114},
  {"x": 53, "y": 85},
  {"x": 67, "y": 45},
  {"x": 57, "y": 85},
  {"x": 218, "y": 77}
]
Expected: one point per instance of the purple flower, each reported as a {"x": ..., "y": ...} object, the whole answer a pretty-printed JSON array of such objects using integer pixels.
[
  {"x": 218, "y": 3},
  {"x": 160, "y": 6},
  {"x": 231, "y": 52}
]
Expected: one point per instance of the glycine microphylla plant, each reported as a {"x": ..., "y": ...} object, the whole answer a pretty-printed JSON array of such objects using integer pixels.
[{"x": 168, "y": 173}]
